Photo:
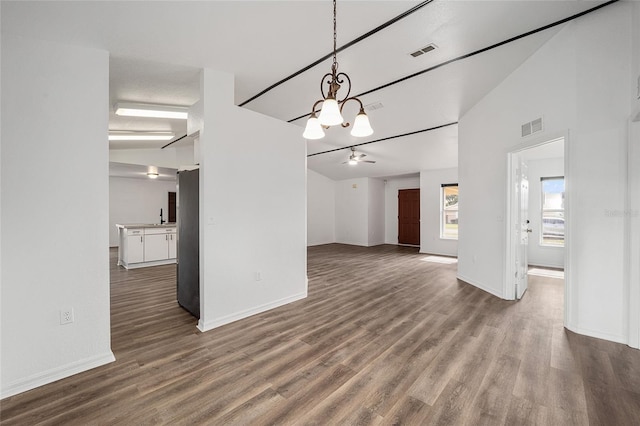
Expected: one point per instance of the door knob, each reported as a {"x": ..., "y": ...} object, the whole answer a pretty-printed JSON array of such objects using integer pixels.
[{"x": 529, "y": 230}]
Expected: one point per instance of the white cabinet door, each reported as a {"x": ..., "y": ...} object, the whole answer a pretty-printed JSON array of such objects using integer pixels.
[
  {"x": 155, "y": 247},
  {"x": 135, "y": 249},
  {"x": 172, "y": 246}
]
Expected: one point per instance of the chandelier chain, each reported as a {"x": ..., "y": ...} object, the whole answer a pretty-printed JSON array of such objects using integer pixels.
[{"x": 335, "y": 36}]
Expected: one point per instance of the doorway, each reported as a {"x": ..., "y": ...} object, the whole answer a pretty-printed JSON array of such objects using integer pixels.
[
  {"x": 172, "y": 206},
  {"x": 409, "y": 217},
  {"x": 536, "y": 211}
]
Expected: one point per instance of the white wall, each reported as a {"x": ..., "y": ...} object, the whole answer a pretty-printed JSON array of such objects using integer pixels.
[
  {"x": 54, "y": 212},
  {"x": 360, "y": 215},
  {"x": 137, "y": 201},
  {"x": 170, "y": 157},
  {"x": 391, "y": 205},
  {"x": 430, "y": 183},
  {"x": 321, "y": 209},
  {"x": 633, "y": 218},
  {"x": 635, "y": 59},
  {"x": 633, "y": 190},
  {"x": 253, "y": 215},
  {"x": 538, "y": 254},
  {"x": 578, "y": 82},
  {"x": 352, "y": 211},
  {"x": 375, "y": 216}
]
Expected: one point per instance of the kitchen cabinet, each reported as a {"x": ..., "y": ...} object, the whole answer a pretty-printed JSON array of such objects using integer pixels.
[
  {"x": 143, "y": 245},
  {"x": 155, "y": 247},
  {"x": 158, "y": 244},
  {"x": 135, "y": 246},
  {"x": 172, "y": 245}
]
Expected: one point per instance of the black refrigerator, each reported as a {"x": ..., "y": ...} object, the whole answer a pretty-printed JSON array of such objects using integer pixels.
[{"x": 188, "y": 258}]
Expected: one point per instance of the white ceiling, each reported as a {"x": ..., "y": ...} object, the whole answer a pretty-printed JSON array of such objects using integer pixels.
[
  {"x": 138, "y": 171},
  {"x": 157, "y": 49}
]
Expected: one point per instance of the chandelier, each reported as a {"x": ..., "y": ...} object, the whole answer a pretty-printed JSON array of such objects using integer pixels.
[{"x": 331, "y": 112}]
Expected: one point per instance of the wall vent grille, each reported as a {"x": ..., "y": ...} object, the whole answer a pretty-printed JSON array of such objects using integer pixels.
[{"x": 531, "y": 127}]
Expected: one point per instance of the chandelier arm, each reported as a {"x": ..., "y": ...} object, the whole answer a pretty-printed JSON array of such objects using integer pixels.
[
  {"x": 342, "y": 103},
  {"x": 314, "y": 108},
  {"x": 328, "y": 82},
  {"x": 346, "y": 76},
  {"x": 353, "y": 98}
]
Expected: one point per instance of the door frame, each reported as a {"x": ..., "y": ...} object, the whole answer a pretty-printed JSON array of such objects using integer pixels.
[
  {"x": 632, "y": 233},
  {"x": 516, "y": 228},
  {"x": 509, "y": 287}
]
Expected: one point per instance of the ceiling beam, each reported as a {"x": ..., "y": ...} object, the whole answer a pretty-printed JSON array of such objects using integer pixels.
[
  {"x": 385, "y": 139},
  {"x": 340, "y": 49},
  {"x": 477, "y": 52}
]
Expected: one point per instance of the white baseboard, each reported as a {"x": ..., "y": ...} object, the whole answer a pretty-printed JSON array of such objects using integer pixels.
[
  {"x": 319, "y": 243},
  {"x": 597, "y": 334},
  {"x": 439, "y": 253},
  {"x": 480, "y": 286},
  {"x": 218, "y": 322},
  {"x": 546, "y": 265},
  {"x": 41, "y": 379}
]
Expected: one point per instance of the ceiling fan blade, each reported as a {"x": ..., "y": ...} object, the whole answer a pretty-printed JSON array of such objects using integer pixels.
[
  {"x": 361, "y": 156},
  {"x": 367, "y": 161}
]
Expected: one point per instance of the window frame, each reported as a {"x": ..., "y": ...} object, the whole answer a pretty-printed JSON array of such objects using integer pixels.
[
  {"x": 541, "y": 241},
  {"x": 443, "y": 235}
]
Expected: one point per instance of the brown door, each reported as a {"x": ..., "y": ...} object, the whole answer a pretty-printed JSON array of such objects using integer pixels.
[
  {"x": 172, "y": 207},
  {"x": 409, "y": 216}
]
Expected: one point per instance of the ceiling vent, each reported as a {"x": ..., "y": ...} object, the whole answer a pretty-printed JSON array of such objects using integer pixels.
[
  {"x": 532, "y": 127},
  {"x": 373, "y": 106},
  {"x": 428, "y": 48}
]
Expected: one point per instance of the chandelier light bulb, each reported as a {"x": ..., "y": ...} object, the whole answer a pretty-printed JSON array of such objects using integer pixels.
[
  {"x": 330, "y": 113},
  {"x": 313, "y": 130},
  {"x": 361, "y": 126}
]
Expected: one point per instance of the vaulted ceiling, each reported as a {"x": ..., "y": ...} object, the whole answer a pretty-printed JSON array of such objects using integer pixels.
[{"x": 157, "y": 49}]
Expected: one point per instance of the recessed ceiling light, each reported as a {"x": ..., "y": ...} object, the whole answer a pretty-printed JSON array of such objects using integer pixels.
[
  {"x": 140, "y": 136},
  {"x": 149, "y": 110},
  {"x": 153, "y": 175}
]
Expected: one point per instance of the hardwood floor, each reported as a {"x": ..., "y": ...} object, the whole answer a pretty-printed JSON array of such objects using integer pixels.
[{"x": 383, "y": 338}]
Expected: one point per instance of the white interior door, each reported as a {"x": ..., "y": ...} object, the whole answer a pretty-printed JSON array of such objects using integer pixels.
[{"x": 522, "y": 228}]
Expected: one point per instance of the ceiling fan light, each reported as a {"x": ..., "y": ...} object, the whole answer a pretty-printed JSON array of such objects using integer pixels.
[
  {"x": 353, "y": 161},
  {"x": 361, "y": 126},
  {"x": 330, "y": 113},
  {"x": 313, "y": 130}
]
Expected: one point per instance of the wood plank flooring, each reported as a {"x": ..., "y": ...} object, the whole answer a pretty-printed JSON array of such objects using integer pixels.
[{"x": 383, "y": 338}]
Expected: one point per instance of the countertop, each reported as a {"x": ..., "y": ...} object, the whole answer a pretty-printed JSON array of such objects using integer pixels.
[{"x": 145, "y": 225}]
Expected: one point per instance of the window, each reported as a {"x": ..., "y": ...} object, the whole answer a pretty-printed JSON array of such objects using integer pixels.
[
  {"x": 449, "y": 211},
  {"x": 552, "y": 211}
]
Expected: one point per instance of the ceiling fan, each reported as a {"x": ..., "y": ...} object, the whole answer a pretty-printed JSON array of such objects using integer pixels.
[{"x": 356, "y": 158}]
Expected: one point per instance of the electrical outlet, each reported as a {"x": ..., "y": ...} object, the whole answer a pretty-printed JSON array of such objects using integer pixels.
[
  {"x": 66, "y": 316},
  {"x": 258, "y": 276}
]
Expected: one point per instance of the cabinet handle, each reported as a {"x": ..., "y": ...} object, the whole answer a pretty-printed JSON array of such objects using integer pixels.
[{"x": 140, "y": 238}]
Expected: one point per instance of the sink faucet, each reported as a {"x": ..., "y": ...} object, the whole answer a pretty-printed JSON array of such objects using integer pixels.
[{"x": 161, "y": 219}]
